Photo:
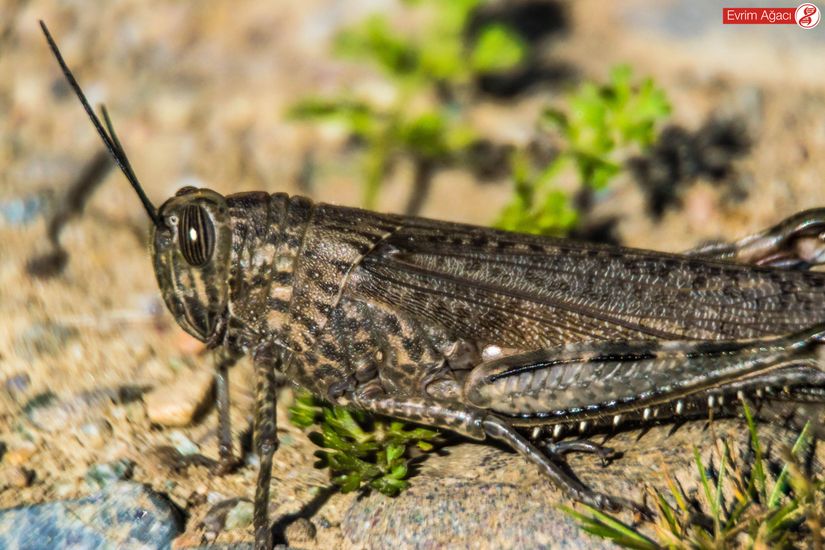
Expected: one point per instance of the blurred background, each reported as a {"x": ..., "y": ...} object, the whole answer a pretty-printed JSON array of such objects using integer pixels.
[{"x": 644, "y": 123}]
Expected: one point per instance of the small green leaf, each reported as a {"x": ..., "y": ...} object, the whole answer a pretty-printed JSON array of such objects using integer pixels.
[
  {"x": 703, "y": 476},
  {"x": 498, "y": 48},
  {"x": 361, "y": 451},
  {"x": 556, "y": 118},
  {"x": 348, "y": 482},
  {"x": 394, "y": 451},
  {"x": 782, "y": 479},
  {"x": 374, "y": 39},
  {"x": 668, "y": 512},
  {"x": 399, "y": 471},
  {"x": 605, "y": 526},
  {"x": 758, "y": 469},
  {"x": 389, "y": 486}
]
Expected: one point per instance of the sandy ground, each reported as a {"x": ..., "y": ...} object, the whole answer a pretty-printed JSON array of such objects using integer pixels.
[{"x": 198, "y": 94}]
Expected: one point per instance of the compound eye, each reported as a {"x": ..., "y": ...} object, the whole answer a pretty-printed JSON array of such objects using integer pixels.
[{"x": 196, "y": 235}]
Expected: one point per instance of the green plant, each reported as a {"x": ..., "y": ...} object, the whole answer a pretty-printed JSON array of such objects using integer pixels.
[
  {"x": 741, "y": 509},
  {"x": 537, "y": 205},
  {"x": 601, "y": 128},
  {"x": 360, "y": 450},
  {"x": 427, "y": 72}
]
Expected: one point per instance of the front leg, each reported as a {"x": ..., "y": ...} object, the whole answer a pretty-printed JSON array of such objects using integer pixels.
[
  {"x": 266, "y": 442},
  {"x": 227, "y": 459}
]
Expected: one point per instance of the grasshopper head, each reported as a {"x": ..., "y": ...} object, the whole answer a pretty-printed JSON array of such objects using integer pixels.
[
  {"x": 191, "y": 241},
  {"x": 191, "y": 250}
]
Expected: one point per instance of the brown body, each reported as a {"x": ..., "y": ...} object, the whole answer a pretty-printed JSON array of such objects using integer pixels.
[{"x": 362, "y": 307}]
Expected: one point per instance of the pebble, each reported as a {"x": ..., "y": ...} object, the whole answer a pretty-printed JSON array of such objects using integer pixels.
[
  {"x": 134, "y": 412},
  {"x": 19, "y": 477},
  {"x": 45, "y": 412},
  {"x": 299, "y": 532},
  {"x": 21, "y": 211},
  {"x": 95, "y": 434},
  {"x": 20, "y": 454},
  {"x": 45, "y": 338},
  {"x": 102, "y": 475},
  {"x": 239, "y": 516},
  {"x": 178, "y": 403},
  {"x": 214, "y": 497},
  {"x": 188, "y": 344},
  {"x": 55, "y": 414},
  {"x": 123, "y": 515},
  {"x": 183, "y": 444},
  {"x": 17, "y": 385}
]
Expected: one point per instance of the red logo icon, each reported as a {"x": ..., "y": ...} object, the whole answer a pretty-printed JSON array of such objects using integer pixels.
[{"x": 807, "y": 16}]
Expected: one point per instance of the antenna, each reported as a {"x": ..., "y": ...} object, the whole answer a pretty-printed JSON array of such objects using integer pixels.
[{"x": 109, "y": 138}]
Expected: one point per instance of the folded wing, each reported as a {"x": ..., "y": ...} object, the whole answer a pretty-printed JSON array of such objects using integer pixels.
[{"x": 529, "y": 292}]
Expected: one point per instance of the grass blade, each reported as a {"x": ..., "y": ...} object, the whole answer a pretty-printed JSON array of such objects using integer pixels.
[{"x": 782, "y": 480}]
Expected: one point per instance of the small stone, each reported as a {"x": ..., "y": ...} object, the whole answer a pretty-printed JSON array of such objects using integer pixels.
[
  {"x": 43, "y": 339},
  {"x": 102, "y": 475},
  {"x": 20, "y": 454},
  {"x": 134, "y": 412},
  {"x": 183, "y": 444},
  {"x": 324, "y": 523},
  {"x": 56, "y": 414},
  {"x": 239, "y": 516},
  {"x": 300, "y": 531},
  {"x": 44, "y": 412},
  {"x": 214, "y": 497},
  {"x": 252, "y": 461},
  {"x": 178, "y": 403},
  {"x": 124, "y": 515},
  {"x": 21, "y": 211},
  {"x": 95, "y": 434},
  {"x": 16, "y": 385},
  {"x": 188, "y": 344},
  {"x": 19, "y": 477}
]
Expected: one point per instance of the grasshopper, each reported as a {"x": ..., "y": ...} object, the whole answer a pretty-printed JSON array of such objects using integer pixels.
[{"x": 487, "y": 333}]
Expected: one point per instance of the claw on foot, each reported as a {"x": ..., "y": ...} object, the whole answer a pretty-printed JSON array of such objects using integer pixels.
[
  {"x": 606, "y": 454},
  {"x": 608, "y": 503},
  {"x": 177, "y": 462}
]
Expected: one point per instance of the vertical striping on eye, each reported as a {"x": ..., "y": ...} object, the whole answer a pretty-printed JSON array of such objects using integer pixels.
[{"x": 196, "y": 235}]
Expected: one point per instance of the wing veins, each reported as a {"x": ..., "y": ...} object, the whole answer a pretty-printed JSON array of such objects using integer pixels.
[{"x": 550, "y": 303}]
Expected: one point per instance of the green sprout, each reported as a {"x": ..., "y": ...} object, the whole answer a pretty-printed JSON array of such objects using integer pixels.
[
  {"x": 537, "y": 205},
  {"x": 741, "y": 509},
  {"x": 601, "y": 129},
  {"x": 360, "y": 451},
  {"x": 429, "y": 70}
]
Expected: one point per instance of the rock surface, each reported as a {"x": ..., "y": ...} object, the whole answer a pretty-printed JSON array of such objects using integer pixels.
[
  {"x": 124, "y": 516},
  {"x": 480, "y": 495}
]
